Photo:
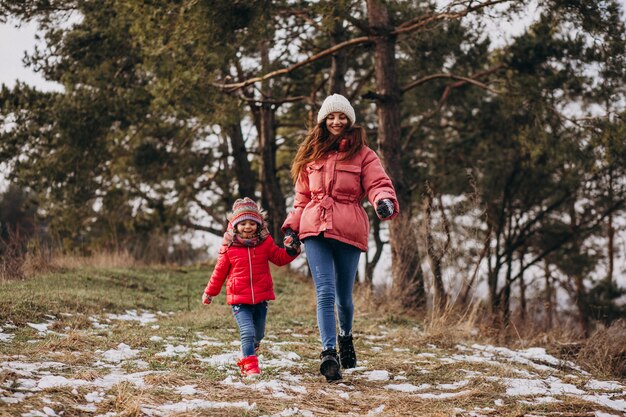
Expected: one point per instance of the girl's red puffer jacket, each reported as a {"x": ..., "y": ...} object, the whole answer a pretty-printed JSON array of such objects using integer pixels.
[
  {"x": 329, "y": 193},
  {"x": 248, "y": 271}
]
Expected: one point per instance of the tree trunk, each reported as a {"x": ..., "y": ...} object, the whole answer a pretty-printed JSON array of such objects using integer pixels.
[
  {"x": 493, "y": 265},
  {"x": 245, "y": 176},
  {"x": 522, "y": 290},
  {"x": 440, "y": 298},
  {"x": 548, "y": 296},
  {"x": 610, "y": 233},
  {"x": 339, "y": 63},
  {"x": 271, "y": 193},
  {"x": 408, "y": 281},
  {"x": 580, "y": 290},
  {"x": 505, "y": 294}
]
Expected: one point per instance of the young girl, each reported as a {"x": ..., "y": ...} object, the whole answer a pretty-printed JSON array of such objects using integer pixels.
[{"x": 243, "y": 259}]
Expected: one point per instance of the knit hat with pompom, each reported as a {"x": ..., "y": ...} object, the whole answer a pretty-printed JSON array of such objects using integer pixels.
[
  {"x": 245, "y": 209},
  {"x": 336, "y": 103}
]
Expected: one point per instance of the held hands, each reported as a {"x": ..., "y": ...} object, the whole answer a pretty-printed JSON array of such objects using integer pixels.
[
  {"x": 384, "y": 208},
  {"x": 291, "y": 242},
  {"x": 206, "y": 298}
]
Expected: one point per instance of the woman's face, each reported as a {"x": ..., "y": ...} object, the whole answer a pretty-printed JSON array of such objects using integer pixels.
[
  {"x": 247, "y": 228},
  {"x": 336, "y": 123}
]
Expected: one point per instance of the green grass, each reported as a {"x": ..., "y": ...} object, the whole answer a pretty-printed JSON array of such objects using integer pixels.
[{"x": 92, "y": 291}]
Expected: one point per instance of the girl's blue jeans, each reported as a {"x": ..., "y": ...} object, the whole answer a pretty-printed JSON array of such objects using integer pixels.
[
  {"x": 251, "y": 321},
  {"x": 333, "y": 265}
]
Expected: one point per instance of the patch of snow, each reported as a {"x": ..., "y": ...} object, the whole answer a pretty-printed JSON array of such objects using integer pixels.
[
  {"x": 191, "y": 405},
  {"x": 220, "y": 361},
  {"x": 356, "y": 369},
  {"x": 27, "y": 369},
  {"x": 407, "y": 387},
  {"x": 376, "y": 410},
  {"x": 187, "y": 390},
  {"x": 377, "y": 375},
  {"x": 17, "y": 397},
  {"x": 528, "y": 387},
  {"x": 541, "y": 400},
  {"x": 94, "y": 397},
  {"x": 606, "y": 401},
  {"x": 114, "y": 378},
  {"x": 452, "y": 386},
  {"x": 528, "y": 357},
  {"x": 132, "y": 315},
  {"x": 139, "y": 364},
  {"x": 55, "y": 381},
  {"x": 42, "y": 328},
  {"x": 122, "y": 352},
  {"x": 88, "y": 408},
  {"x": 604, "y": 385},
  {"x": 6, "y": 337},
  {"x": 156, "y": 338},
  {"x": 443, "y": 396},
  {"x": 207, "y": 343},
  {"x": 174, "y": 351},
  {"x": 274, "y": 387}
]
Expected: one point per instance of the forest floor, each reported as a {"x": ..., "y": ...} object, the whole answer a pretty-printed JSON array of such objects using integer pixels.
[{"x": 135, "y": 342}]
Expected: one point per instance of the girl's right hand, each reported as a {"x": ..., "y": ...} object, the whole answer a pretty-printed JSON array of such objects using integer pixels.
[{"x": 206, "y": 299}]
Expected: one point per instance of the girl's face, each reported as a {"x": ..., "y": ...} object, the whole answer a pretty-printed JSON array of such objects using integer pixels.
[
  {"x": 336, "y": 123},
  {"x": 247, "y": 228}
]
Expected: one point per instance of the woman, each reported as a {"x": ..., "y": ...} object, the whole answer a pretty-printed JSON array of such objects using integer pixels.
[{"x": 333, "y": 171}]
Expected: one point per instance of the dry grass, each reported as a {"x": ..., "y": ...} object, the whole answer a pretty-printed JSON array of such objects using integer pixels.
[
  {"x": 121, "y": 259},
  {"x": 605, "y": 351},
  {"x": 408, "y": 344}
]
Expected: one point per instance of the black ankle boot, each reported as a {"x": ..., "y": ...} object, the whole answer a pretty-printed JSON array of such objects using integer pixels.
[
  {"x": 329, "y": 367},
  {"x": 347, "y": 354}
]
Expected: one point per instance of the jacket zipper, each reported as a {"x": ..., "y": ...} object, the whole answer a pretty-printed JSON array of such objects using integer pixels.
[{"x": 251, "y": 286}]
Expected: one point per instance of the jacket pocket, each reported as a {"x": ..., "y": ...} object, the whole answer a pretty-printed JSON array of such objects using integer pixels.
[
  {"x": 348, "y": 179},
  {"x": 315, "y": 172}
]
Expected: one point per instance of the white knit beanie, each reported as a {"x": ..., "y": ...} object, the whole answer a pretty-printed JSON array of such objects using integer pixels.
[{"x": 336, "y": 103}]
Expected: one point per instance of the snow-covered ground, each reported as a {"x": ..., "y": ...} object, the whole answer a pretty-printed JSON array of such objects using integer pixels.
[{"x": 530, "y": 378}]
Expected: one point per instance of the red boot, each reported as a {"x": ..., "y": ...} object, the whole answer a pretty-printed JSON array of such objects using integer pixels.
[{"x": 249, "y": 366}]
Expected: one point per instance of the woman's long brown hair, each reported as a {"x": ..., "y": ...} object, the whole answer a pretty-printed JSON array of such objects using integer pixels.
[{"x": 318, "y": 142}]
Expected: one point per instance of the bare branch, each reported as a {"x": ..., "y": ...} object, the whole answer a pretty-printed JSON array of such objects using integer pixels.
[
  {"x": 462, "y": 80},
  {"x": 324, "y": 53},
  {"x": 421, "y": 21},
  {"x": 274, "y": 101}
]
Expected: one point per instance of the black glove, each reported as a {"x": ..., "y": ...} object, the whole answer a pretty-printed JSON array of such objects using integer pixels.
[
  {"x": 291, "y": 242},
  {"x": 384, "y": 208}
]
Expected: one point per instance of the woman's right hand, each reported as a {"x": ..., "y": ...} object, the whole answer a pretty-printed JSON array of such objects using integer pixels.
[
  {"x": 206, "y": 298},
  {"x": 385, "y": 208}
]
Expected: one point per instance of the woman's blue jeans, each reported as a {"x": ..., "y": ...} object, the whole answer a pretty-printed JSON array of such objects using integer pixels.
[
  {"x": 251, "y": 321},
  {"x": 333, "y": 265}
]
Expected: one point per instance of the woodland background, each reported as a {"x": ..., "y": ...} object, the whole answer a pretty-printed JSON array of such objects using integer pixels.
[{"x": 508, "y": 158}]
